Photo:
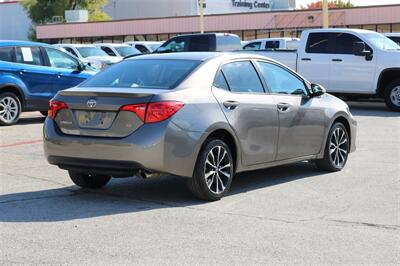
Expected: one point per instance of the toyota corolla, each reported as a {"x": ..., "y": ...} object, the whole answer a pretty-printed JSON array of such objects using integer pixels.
[{"x": 202, "y": 116}]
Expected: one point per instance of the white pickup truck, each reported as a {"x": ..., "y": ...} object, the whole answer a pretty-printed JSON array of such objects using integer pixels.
[{"x": 351, "y": 62}]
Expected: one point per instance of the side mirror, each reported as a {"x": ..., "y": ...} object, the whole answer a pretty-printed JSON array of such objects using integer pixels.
[
  {"x": 317, "y": 90},
  {"x": 81, "y": 67},
  {"x": 359, "y": 49}
]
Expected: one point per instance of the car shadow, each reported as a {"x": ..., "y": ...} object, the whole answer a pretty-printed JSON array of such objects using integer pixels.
[
  {"x": 131, "y": 195},
  {"x": 30, "y": 121},
  {"x": 371, "y": 108}
]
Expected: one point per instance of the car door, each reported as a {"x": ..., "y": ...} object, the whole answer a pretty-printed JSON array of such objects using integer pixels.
[
  {"x": 251, "y": 112},
  {"x": 32, "y": 70},
  {"x": 301, "y": 118},
  {"x": 314, "y": 62},
  {"x": 350, "y": 73},
  {"x": 65, "y": 68}
]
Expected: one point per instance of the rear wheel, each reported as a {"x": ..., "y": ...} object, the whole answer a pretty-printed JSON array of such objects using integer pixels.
[
  {"x": 392, "y": 95},
  {"x": 10, "y": 109},
  {"x": 337, "y": 149},
  {"x": 213, "y": 172},
  {"x": 89, "y": 180}
]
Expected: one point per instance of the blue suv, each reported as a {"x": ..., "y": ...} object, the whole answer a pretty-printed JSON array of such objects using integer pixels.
[{"x": 31, "y": 74}]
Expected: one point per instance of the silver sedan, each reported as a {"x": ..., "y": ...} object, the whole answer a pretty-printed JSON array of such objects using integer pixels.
[{"x": 202, "y": 116}]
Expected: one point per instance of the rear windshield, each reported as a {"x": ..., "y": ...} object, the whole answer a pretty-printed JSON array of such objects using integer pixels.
[{"x": 150, "y": 73}]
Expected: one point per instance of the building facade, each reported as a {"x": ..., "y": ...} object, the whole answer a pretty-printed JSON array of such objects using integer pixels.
[
  {"x": 134, "y": 9},
  {"x": 14, "y": 22},
  {"x": 247, "y": 25}
]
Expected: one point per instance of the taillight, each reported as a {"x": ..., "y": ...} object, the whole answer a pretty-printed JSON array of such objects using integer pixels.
[
  {"x": 154, "y": 112},
  {"x": 138, "y": 109},
  {"x": 56, "y": 106}
]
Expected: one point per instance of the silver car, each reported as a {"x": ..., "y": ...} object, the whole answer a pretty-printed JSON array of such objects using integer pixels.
[{"x": 203, "y": 116}]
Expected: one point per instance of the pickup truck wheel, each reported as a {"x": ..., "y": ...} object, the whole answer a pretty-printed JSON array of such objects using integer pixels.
[
  {"x": 88, "y": 180},
  {"x": 392, "y": 95},
  {"x": 337, "y": 149},
  {"x": 10, "y": 109},
  {"x": 213, "y": 173}
]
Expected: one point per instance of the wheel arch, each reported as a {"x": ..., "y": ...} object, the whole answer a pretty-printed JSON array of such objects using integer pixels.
[
  {"x": 15, "y": 90},
  {"x": 385, "y": 78}
]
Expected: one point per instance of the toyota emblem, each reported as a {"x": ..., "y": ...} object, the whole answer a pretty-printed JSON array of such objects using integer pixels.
[{"x": 91, "y": 103}]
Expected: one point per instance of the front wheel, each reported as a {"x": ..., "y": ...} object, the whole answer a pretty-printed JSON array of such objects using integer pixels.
[
  {"x": 392, "y": 96},
  {"x": 213, "y": 173},
  {"x": 89, "y": 180},
  {"x": 337, "y": 149},
  {"x": 10, "y": 109}
]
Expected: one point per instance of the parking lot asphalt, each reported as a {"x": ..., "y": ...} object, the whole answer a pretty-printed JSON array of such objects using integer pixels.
[{"x": 290, "y": 214}]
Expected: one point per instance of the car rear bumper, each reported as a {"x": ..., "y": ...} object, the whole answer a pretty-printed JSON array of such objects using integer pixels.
[{"x": 160, "y": 147}]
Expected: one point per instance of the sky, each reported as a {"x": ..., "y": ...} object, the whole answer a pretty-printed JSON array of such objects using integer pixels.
[{"x": 355, "y": 2}]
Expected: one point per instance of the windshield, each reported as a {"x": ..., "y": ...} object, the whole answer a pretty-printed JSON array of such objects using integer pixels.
[
  {"x": 151, "y": 73},
  {"x": 126, "y": 50},
  {"x": 154, "y": 46},
  {"x": 91, "y": 51},
  {"x": 381, "y": 41}
]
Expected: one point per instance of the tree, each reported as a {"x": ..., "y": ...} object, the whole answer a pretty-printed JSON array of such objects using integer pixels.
[
  {"x": 331, "y": 4},
  {"x": 42, "y": 11}
]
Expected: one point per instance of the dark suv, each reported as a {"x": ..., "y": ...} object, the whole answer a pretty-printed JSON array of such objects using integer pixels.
[{"x": 31, "y": 74}]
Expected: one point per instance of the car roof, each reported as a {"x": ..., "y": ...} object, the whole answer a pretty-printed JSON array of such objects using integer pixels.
[
  {"x": 21, "y": 43},
  {"x": 347, "y": 30},
  {"x": 75, "y": 45},
  {"x": 200, "y": 56},
  {"x": 276, "y": 39},
  {"x": 112, "y": 44}
]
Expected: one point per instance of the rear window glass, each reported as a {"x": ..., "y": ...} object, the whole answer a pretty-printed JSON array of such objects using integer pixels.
[
  {"x": 150, "y": 73},
  {"x": 6, "y": 54},
  {"x": 318, "y": 43}
]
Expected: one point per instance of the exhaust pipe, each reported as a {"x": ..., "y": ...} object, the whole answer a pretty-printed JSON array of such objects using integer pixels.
[{"x": 147, "y": 174}]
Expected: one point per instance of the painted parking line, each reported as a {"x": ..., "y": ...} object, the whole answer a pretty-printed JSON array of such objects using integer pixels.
[{"x": 21, "y": 143}]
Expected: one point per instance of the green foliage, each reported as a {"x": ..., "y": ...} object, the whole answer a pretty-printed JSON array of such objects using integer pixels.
[{"x": 42, "y": 11}]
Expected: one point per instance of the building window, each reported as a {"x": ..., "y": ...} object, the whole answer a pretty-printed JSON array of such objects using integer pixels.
[
  {"x": 151, "y": 37},
  {"x": 163, "y": 37},
  {"x": 261, "y": 34},
  {"x": 384, "y": 28},
  {"x": 238, "y": 33},
  {"x": 396, "y": 27}
]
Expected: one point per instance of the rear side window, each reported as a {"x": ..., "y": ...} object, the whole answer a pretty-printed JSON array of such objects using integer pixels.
[
  {"x": 220, "y": 81},
  {"x": 29, "y": 55},
  {"x": 252, "y": 46},
  {"x": 344, "y": 43},
  {"x": 144, "y": 74},
  {"x": 201, "y": 44},
  {"x": 242, "y": 77},
  {"x": 318, "y": 43},
  {"x": 272, "y": 45},
  {"x": 7, "y": 54}
]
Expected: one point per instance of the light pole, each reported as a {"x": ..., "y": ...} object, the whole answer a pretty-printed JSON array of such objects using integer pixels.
[
  {"x": 325, "y": 14},
  {"x": 201, "y": 16}
]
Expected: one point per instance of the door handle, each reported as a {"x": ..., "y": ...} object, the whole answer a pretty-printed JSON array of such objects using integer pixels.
[
  {"x": 306, "y": 59},
  {"x": 283, "y": 107},
  {"x": 337, "y": 60},
  {"x": 230, "y": 105},
  {"x": 22, "y": 71}
]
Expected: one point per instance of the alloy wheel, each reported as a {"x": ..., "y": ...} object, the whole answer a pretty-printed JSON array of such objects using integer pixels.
[
  {"x": 338, "y": 147},
  {"x": 218, "y": 169},
  {"x": 395, "y": 96},
  {"x": 8, "y": 109}
]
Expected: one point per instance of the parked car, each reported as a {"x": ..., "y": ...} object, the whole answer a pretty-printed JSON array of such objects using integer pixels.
[
  {"x": 208, "y": 42},
  {"x": 90, "y": 54},
  {"x": 394, "y": 36},
  {"x": 273, "y": 43},
  {"x": 31, "y": 74},
  {"x": 349, "y": 62},
  {"x": 145, "y": 47},
  {"x": 203, "y": 116},
  {"x": 119, "y": 50}
]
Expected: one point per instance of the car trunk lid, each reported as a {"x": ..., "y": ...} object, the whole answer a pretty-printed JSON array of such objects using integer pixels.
[{"x": 96, "y": 111}]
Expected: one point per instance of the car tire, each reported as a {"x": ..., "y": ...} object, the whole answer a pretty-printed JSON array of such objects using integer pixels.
[
  {"x": 213, "y": 173},
  {"x": 44, "y": 113},
  {"x": 88, "y": 180},
  {"x": 10, "y": 109},
  {"x": 337, "y": 149},
  {"x": 391, "y": 95}
]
